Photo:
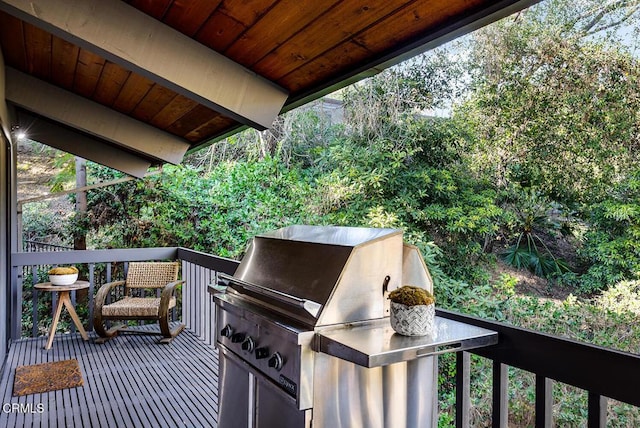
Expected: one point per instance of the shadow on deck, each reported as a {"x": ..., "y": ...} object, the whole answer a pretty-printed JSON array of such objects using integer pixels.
[{"x": 129, "y": 381}]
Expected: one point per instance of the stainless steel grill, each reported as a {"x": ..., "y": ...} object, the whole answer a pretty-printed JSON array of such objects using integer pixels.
[{"x": 304, "y": 336}]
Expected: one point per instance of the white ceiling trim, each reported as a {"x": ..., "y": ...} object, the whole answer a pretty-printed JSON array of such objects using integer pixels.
[
  {"x": 138, "y": 42},
  {"x": 61, "y": 106},
  {"x": 79, "y": 144}
]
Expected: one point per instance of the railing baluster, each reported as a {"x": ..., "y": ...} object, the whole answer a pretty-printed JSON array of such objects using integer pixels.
[
  {"x": 185, "y": 295},
  {"x": 500, "y": 395},
  {"x": 108, "y": 272},
  {"x": 15, "y": 298},
  {"x": 34, "y": 300},
  {"x": 463, "y": 389},
  {"x": 544, "y": 402},
  {"x": 91, "y": 294},
  {"x": 597, "y": 411},
  {"x": 197, "y": 321},
  {"x": 108, "y": 279},
  {"x": 210, "y": 320}
]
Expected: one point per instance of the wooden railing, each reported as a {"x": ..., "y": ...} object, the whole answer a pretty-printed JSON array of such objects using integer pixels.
[
  {"x": 600, "y": 371},
  {"x": 101, "y": 266},
  {"x": 31, "y": 246},
  {"x": 199, "y": 270}
]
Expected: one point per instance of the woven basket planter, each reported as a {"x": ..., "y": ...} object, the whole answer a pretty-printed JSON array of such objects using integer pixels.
[{"x": 418, "y": 320}]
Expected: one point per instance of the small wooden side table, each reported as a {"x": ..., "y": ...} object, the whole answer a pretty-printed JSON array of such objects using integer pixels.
[{"x": 64, "y": 298}]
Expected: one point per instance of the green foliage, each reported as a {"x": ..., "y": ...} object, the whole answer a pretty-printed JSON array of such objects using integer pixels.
[
  {"x": 535, "y": 216},
  {"x": 621, "y": 298},
  {"x": 610, "y": 321},
  {"x": 552, "y": 108},
  {"x": 398, "y": 183},
  {"x": 612, "y": 246},
  {"x": 38, "y": 223},
  {"x": 217, "y": 213},
  {"x": 65, "y": 163}
]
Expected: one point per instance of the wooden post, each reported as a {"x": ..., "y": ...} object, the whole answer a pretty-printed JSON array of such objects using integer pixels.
[{"x": 80, "y": 236}]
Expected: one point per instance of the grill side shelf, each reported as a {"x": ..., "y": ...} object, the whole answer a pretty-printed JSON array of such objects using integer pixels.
[
  {"x": 375, "y": 344},
  {"x": 311, "y": 307}
]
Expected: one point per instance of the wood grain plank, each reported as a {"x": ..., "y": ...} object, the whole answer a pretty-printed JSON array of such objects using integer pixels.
[
  {"x": 338, "y": 25},
  {"x": 12, "y": 42},
  {"x": 191, "y": 120},
  {"x": 105, "y": 364},
  {"x": 188, "y": 16},
  {"x": 91, "y": 395},
  {"x": 210, "y": 128},
  {"x": 198, "y": 364},
  {"x": 133, "y": 91},
  {"x": 129, "y": 381},
  {"x": 219, "y": 32},
  {"x": 15, "y": 357},
  {"x": 153, "y": 102},
  {"x": 245, "y": 11},
  {"x": 38, "y": 49},
  {"x": 155, "y": 8},
  {"x": 173, "y": 111},
  {"x": 157, "y": 378},
  {"x": 110, "y": 84},
  {"x": 416, "y": 19},
  {"x": 64, "y": 61},
  {"x": 324, "y": 67},
  {"x": 285, "y": 19},
  {"x": 30, "y": 400},
  {"x": 111, "y": 365},
  {"x": 88, "y": 73},
  {"x": 139, "y": 382}
]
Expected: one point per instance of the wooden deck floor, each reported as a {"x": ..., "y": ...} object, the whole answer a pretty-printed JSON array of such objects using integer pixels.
[{"x": 131, "y": 381}]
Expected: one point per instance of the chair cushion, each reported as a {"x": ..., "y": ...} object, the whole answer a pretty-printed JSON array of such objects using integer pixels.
[{"x": 135, "y": 307}]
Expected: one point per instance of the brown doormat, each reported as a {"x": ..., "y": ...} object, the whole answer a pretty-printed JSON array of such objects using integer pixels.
[{"x": 38, "y": 378}]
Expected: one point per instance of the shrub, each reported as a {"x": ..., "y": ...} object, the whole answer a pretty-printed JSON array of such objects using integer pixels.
[{"x": 612, "y": 245}]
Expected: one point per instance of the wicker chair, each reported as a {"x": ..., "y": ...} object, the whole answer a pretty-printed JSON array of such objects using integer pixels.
[{"x": 141, "y": 276}]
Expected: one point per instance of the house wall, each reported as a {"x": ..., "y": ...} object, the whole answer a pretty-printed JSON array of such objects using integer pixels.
[{"x": 5, "y": 215}]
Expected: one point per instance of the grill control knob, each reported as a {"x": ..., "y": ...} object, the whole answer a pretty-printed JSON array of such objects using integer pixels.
[
  {"x": 248, "y": 344},
  {"x": 276, "y": 361},
  {"x": 237, "y": 337},
  {"x": 227, "y": 331},
  {"x": 262, "y": 353}
]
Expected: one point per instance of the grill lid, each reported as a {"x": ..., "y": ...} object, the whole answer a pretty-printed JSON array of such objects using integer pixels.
[{"x": 321, "y": 275}]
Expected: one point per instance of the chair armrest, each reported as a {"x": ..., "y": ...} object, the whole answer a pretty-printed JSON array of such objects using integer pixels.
[
  {"x": 165, "y": 297},
  {"x": 103, "y": 292}
]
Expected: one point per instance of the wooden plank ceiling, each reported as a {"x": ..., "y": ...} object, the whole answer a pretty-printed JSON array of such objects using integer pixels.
[{"x": 305, "y": 46}]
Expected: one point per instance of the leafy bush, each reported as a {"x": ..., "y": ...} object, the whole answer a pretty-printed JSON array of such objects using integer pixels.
[
  {"x": 217, "y": 213},
  {"x": 41, "y": 224},
  {"x": 612, "y": 245},
  {"x": 535, "y": 218}
]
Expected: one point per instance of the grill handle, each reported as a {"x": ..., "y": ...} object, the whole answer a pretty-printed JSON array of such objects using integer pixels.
[{"x": 310, "y": 306}]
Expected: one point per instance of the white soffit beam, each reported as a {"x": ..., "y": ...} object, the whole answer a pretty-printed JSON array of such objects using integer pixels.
[
  {"x": 87, "y": 147},
  {"x": 61, "y": 106},
  {"x": 4, "y": 113},
  {"x": 138, "y": 42}
]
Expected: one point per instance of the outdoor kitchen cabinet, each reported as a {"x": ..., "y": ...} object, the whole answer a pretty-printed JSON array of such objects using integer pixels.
[{"x": 256, "y": 401}]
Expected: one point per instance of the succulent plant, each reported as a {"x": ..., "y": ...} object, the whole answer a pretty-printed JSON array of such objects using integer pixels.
[
  {"x": 410, "y": 295},
  {"x": 62, "y": 270}
]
